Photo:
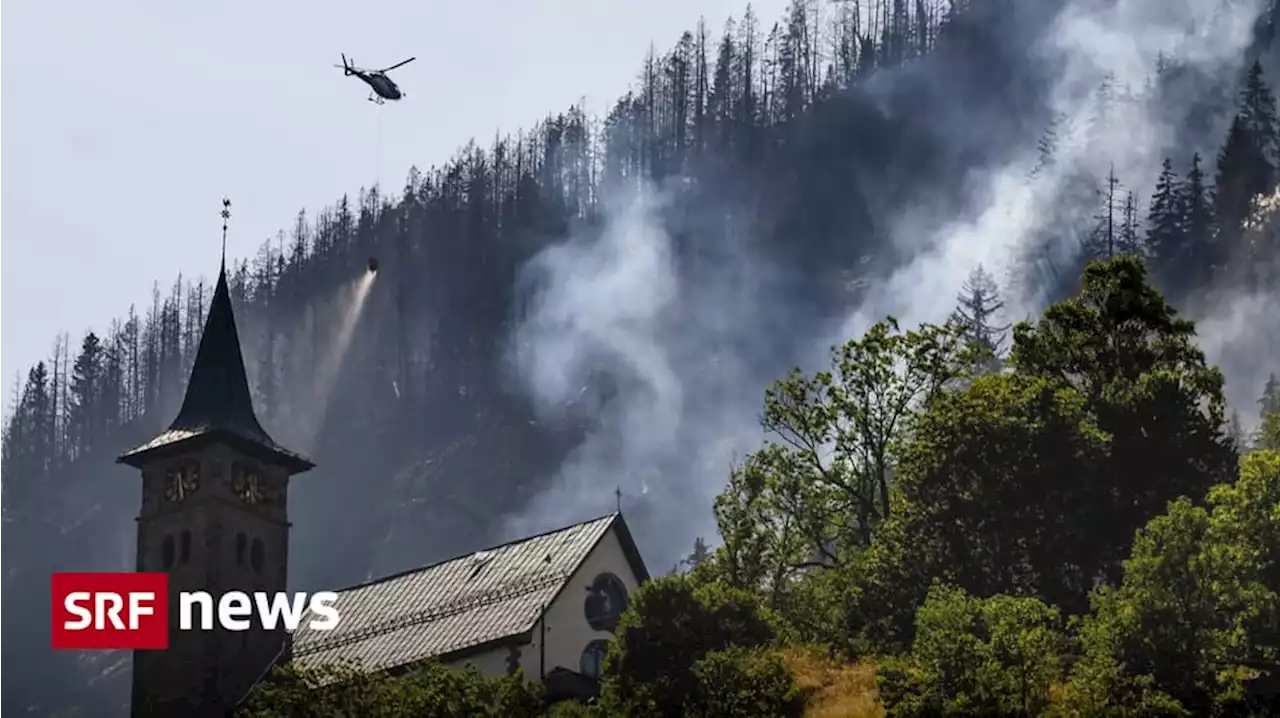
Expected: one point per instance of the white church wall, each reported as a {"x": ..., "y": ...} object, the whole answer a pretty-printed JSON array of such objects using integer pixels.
[{"x": 568, "y": 633}]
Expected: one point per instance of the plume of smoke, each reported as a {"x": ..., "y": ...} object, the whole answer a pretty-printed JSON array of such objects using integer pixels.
[
  {"x": 1239, "y": 327},
  {"x": 1090, "y": 45},
  {"x": 616, "y": 306},
  {"x": 1241, "y": 335},
  {"x": 608, "y": 298},
  {"x": 686, "y": 349}
]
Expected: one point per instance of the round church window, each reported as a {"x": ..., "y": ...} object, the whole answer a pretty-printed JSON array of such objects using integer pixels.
[{"x": 606, "y": 600}]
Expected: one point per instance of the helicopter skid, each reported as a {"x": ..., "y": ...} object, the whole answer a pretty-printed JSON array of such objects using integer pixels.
[{"x": 376, "y": 100}]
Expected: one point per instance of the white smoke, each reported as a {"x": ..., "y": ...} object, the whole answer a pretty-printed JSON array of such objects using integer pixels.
[
  {"x": 1241, "y": 335},
  {"x": 1240, "y": 329},
  {"x": 684, "y": 351},
  {"x": 603, "y": 298},
  {"x": 615, "y": 306},
  {"x": 1090, "y": 43}
]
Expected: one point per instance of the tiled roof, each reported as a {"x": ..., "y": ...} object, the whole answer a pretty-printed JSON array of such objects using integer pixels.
[{"x": 462, "y": 603}]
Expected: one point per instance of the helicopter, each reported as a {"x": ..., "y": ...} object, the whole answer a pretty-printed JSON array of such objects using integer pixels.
[{"x": 383, "y": 88}]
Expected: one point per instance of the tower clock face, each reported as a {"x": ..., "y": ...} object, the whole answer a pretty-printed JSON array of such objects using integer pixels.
[
  {"x": 182, "y": 480},
  {"x": 246, "y": 483}
]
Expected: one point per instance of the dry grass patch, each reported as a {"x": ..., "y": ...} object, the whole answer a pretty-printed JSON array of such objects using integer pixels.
[{"x": 834, "y": 690}]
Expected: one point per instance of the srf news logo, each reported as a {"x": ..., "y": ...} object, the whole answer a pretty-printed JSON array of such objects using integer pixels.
[{"x": 131, "y": 611}]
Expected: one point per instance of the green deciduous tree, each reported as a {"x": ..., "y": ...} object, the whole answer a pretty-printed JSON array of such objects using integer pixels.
[
  {"x": 669, "y": 627},
  {"x": 816, "y": 495},
  {"x": 1147, "y": 386},
  {"x": 1199, "y": 606},
  {"x": 1033, "y": 482},
  {"x": 743, "y": 683},
  {"x": 826, "y": 477},
  {"x": 974, "y": 656},
  {"x": 999, "y": 475}
]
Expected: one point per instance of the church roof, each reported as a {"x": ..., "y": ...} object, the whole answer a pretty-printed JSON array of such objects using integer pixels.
[
  {"x": 218, "y": 405},
  {"x": 465, "y": 604}
]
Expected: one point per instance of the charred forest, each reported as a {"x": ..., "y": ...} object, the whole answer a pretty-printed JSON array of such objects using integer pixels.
[{"x": 598, "y": 304}]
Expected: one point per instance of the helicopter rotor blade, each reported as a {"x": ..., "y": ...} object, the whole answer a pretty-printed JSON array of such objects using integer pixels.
[{"x": 398, "y": 64}]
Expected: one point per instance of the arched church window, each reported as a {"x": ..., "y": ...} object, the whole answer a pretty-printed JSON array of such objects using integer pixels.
[
  {"x": 256, "y": 556},
  {"x": 242, "y": 547},
  {"x": 166, "y": 553},
  {"x": 606, "y": 600},
  {"x": 184, "y": 547},
  {"x": 592, "y": 662}
]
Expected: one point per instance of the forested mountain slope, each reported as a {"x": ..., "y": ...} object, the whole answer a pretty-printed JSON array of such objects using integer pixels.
[{"x": 598, "y": 303}]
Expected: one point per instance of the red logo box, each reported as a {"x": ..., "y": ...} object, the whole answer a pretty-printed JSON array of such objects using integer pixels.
[{"x": 103, "y": 611}]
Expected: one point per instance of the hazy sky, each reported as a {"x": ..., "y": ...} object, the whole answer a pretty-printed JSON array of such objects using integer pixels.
[{"x": 128, "y": 121}]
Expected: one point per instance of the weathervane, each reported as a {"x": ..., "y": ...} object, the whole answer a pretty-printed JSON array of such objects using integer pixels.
[
  {"x": 618, "y": 493},
  {"x": 226, "y": 215}
]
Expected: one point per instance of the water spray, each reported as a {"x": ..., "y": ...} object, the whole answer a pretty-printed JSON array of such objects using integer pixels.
[{"x": 351, "y": 305}]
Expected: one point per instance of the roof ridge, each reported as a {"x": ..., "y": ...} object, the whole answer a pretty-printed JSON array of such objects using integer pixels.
[
  {"x": 611, "y": 516},
  {"x": 438, "y": 612}
]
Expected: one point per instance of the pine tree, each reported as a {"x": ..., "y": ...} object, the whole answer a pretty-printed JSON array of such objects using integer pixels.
[
  {"x": 28, "y": 452},
  {"x": 1235, "y": 431},
  {"x": 111, "y": 396},
  {"x": 1269, "y": 403},
  {"x": 1268, "y": 434},
  {"x": 1129, "y": 241},
  {"x": 1258, "y": 112},
  {"x": 979, "y": 302},
  {"x": 1267, "y": 437},
  {"x": 1248, "y": 159},
  {"x": 699, "y": 554},
  {"x": 86, "y": 391},
  {"x": 1165, "y": 237},
  {"x": 1237, "y": 180},
  {"x": 1198, "y": 223},
  {"x": 1047, "y": 146},
  {"x": 1104, "y": 104},
  {"x": 721, "y": 98},
  {"x": 1104, "y": 241}
]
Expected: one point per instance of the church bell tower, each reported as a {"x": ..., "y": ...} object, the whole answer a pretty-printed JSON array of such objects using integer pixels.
[{"x": 214, "y": 517}]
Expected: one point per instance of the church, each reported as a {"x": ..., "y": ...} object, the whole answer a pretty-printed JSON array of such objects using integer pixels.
[{"x": 214, "y": 516}]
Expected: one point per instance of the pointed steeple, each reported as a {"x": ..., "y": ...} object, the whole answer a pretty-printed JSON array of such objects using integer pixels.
[
  {"x": 218, "y": 404},
  {"x": 218, "y": 392}
]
